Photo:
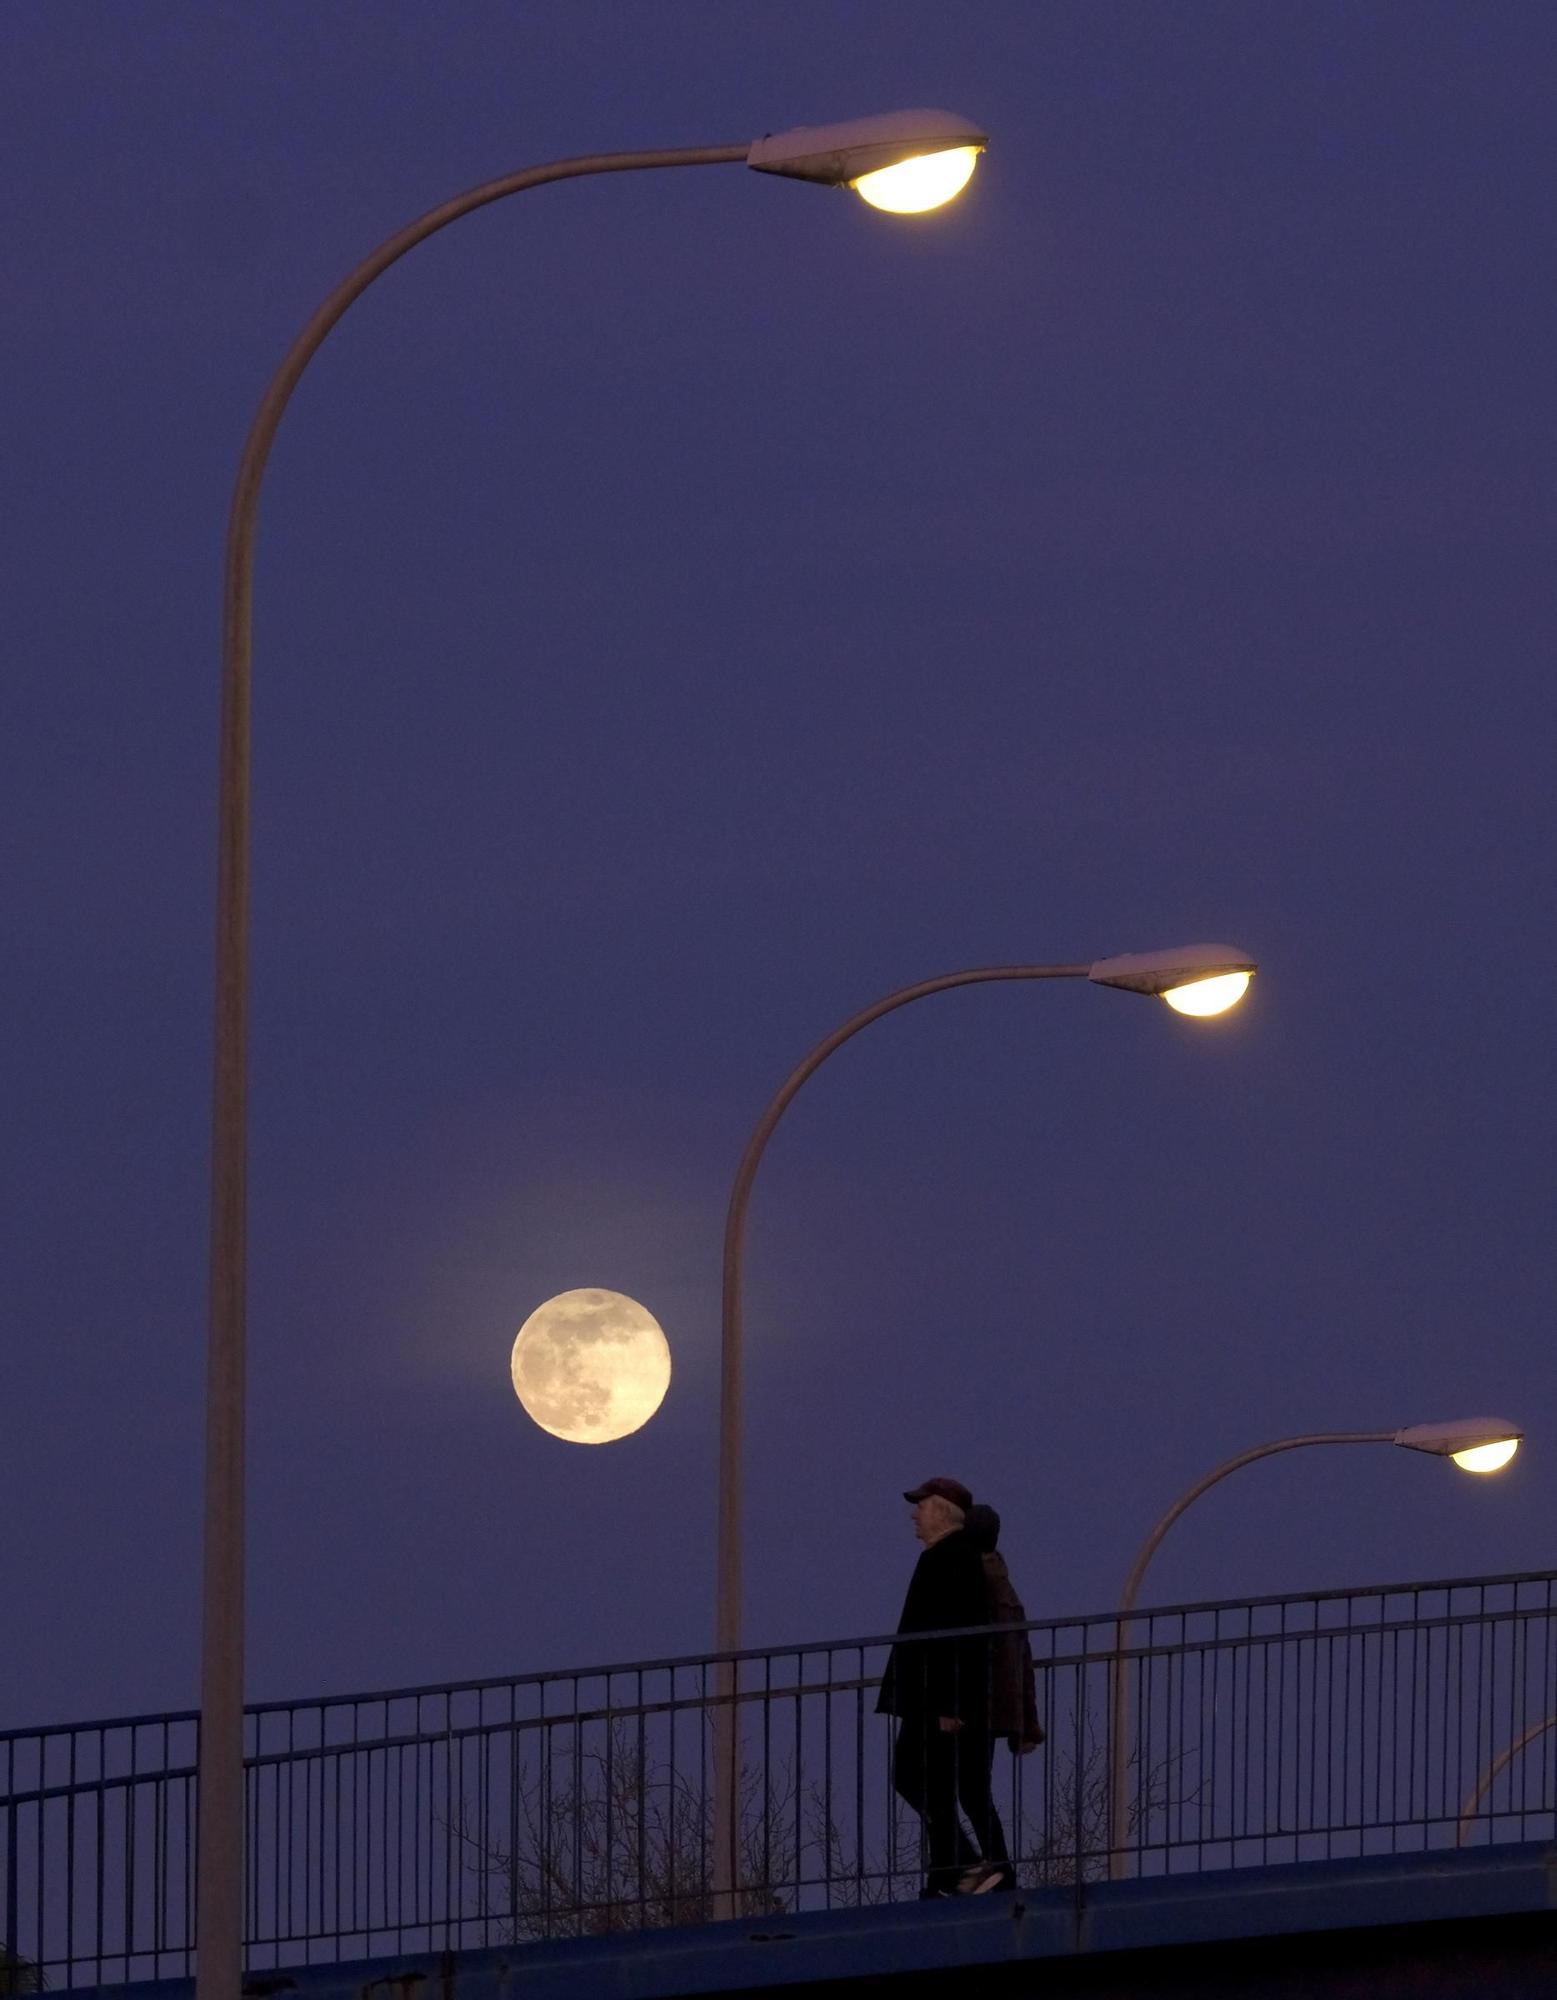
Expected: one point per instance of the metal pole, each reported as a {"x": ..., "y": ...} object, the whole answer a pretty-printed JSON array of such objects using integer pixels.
[
  {"x": 219, "y": 1912},
  {"x": 1118, "y": 1761},
  {"x": 727, "y": 1616}
]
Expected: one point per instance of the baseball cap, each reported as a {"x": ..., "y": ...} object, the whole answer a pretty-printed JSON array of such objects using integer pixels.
[{"x": 949, "y": 1489}]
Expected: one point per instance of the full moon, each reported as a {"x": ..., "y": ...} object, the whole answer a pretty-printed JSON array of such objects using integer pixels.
[{"x": 591, "y": 1366}]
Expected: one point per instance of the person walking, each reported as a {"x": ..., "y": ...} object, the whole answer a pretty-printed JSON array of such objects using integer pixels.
[{"x": 938, "y": 1689}]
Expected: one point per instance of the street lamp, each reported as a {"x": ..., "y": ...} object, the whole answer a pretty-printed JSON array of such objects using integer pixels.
[
  {"x": 1197, "y": 979},
  {"x": 1476, "y": 1444},
  {"x": 1218, "y": 974},
  {"x": 866, "y": 153},
  {"x": 902, "y": 161}
]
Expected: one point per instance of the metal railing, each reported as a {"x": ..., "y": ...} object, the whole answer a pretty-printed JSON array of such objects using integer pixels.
[{"x": 1279, "y": 1729}]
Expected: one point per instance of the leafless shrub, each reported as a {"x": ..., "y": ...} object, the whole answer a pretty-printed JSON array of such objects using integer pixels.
[
  {"x": 1071, "y": 1842},
  {"x": 18, "y": 1974},
  {"x": 610, "y": 1840},
  {"x": 615, "y": 1842}
]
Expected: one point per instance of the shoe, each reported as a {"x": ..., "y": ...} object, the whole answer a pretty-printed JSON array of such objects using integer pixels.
[{"x": 985, "y": 1876}]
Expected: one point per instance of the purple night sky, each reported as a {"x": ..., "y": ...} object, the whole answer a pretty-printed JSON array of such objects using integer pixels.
[{"x": 688, "y": 607}]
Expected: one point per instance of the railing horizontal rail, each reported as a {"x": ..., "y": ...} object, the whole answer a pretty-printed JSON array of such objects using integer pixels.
[
  {"x": 541, "y": 1676},
  {"x": 92, "y": 1786}
]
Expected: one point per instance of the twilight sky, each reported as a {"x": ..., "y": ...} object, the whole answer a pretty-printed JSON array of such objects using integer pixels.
[{"x": 689, "y": 606}]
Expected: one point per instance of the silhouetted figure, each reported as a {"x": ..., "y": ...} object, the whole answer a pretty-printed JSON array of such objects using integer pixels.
[{"x": 939, "y": 1690}]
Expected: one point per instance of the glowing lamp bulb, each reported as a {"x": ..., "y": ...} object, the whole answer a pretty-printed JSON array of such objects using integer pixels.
[
  {"x": 1209, "y": 996},
  {"x": 1486, "y": 1457},
  {"x": 909, "y": 187}
]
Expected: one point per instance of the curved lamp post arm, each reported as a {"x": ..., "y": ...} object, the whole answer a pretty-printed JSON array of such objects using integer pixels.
[
  {"x": 728, "y": 1620},
  {"x": 227, "y": 1270},
  {"x": 219, "y": 1918},
  {"x": 1150, "y": 1546},
  {"x": 1120, "y": 1721}
]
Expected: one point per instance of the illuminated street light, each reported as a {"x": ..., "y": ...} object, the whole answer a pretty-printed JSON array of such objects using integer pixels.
[
  {"x": 901, "y": 161},
  {"x": 840, "y": 154},
  {"x": 913, "y": 186},
  {"x": 1477, "y": 1444},
  {"x": 1197, "y": 979},
  {"x": 1204, "y": 997},
  {"x": 1486, "y": 1457},
  {"x": 1164, "y": 973}
]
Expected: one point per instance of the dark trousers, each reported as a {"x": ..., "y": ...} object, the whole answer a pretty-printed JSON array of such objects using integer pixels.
[{"x": 935, "y": 1769}]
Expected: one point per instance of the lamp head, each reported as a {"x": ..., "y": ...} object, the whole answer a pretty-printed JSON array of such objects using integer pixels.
[
  {"x": 901, "y": 161},
  {"x": 1199, "y": 979},
  {"x": 1476, "y": 1444}
]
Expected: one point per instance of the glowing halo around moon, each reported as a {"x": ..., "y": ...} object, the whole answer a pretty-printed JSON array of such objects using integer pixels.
[{"x": 591, "y": 1366}]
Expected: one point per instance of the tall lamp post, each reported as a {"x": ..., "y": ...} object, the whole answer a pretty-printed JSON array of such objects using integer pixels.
[
  {"x": 1197, "y": 980},
  {"x": 903, "y": 162},
  {"x": 1476, "y": 1444}
]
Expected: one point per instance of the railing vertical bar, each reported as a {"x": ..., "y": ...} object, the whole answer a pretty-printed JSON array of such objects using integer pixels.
[
  {"x": 1178, "y": 1699},
  {"x": 515, "y": 1780},
  {"x": 672, "y": 1815},
  {"x": 9, "y": 1902},
  {"x": 127, "y": 1795},
  {"x": 408, "y": 1902},
  {"x": 1420, "y": 1796},
  {"x": 361, "y": 1829},
  {"x": 285, "y": 1925},
  {"x": 345, "y": 1784},
  {"x": 454, "y": 1804},
  {"x": 1347, "y": 1813},
  {"x": 190, "y": 1864},
  {"x": 41, "y": 1946},
  {"x": 544, "y": 1832},
  {"x": 1549, "y": 1707},
  {"x": 1487, "y": 1669},
  {"x": 70, "y": 1860},
  {"x": 859, "y": 1784},
  {"x": 1519, "y": 1635},
  {"x": 1283, "y": 1655},
  {"x": 607, "y": 1894},
  {"x": 491, "y": 1795},
  {"x": 890, "y": 1860},
  {"x": 1147, "y": 1757},
  {"x": 1242, "y": 1816},
  {"x": 828, "y": 1813},
  {"x": 1451, "y": 1751},
  {"x": 1365, "y": 1818},
  {"x": 421, "y": 1830},
  {"x": 702, "y": 1782},
  {"x": 1077, "y": 1831},
  {"x": 578, "y": 1805},
  {"x": 762, "y": 1794},
  {"x": 99, "y": 1863}
]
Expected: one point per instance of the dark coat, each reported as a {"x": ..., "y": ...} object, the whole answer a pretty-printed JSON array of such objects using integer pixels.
[
  {"x": 942, "y": 1676},
  {"x": 1013, "y": 1693}
]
